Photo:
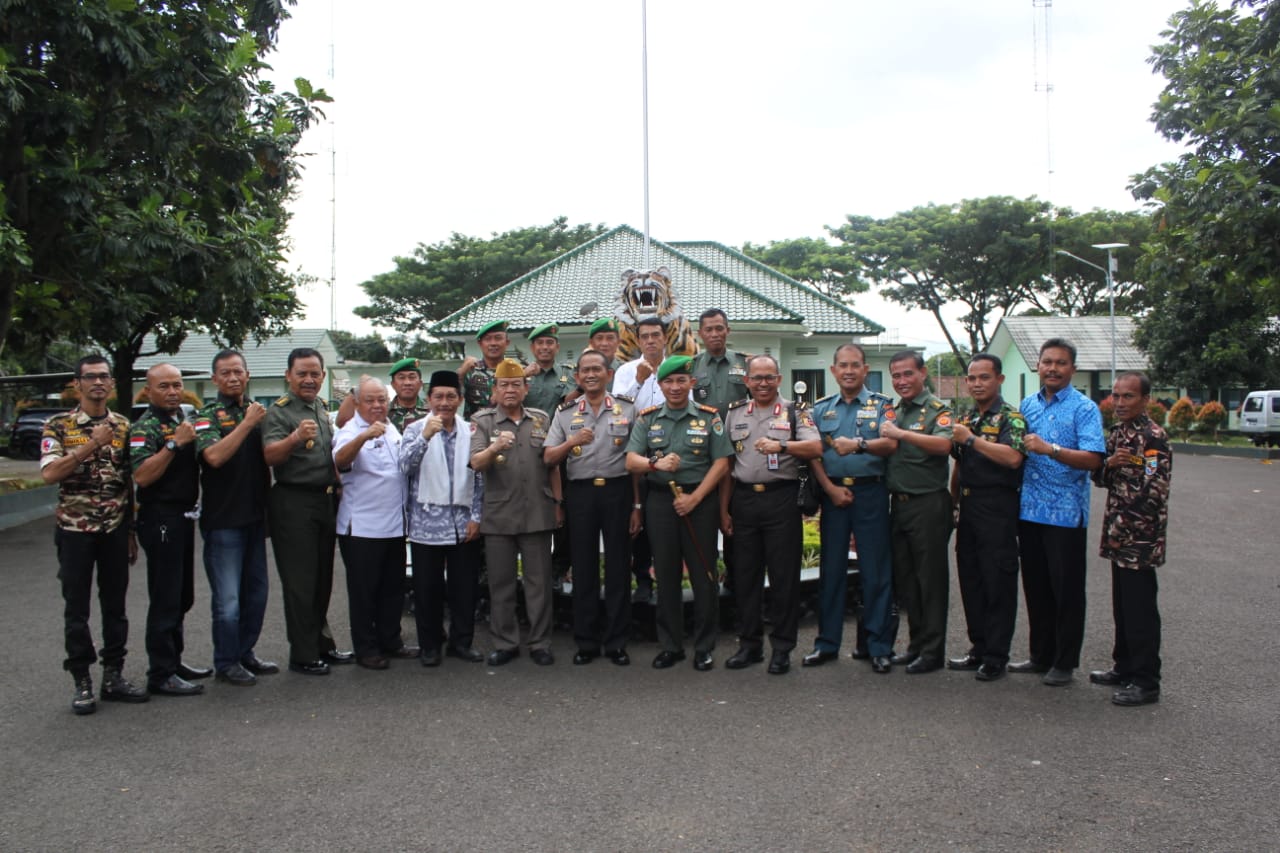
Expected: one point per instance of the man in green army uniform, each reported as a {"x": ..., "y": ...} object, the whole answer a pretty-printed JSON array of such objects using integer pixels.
[
  {"x": 682, "y": 448},
  {"x": 719, "y": 373},
  {"x": 406, "y": 406},
  {"x": 297, "y": 442},
  {"x": 603, "y": 338},
  {"x": 477, "y": 374},
  {"x": 549, "y": 383},
  {"x": 920, "y": 518}
]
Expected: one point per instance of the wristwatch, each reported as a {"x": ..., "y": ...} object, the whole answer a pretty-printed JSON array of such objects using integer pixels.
[
  {"x": 171, "y": 446},
  {"x": 968, "y": 442},
  {"x": 862, "y": 444},
  {"x": 782, "y": 445}
]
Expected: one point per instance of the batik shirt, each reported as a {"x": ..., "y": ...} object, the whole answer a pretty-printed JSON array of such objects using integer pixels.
[{"x": 1054, "y": 493}]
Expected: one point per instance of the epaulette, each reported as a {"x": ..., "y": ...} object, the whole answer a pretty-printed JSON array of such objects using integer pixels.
[
  {"x": 937, "y": 404},
  {"x": 567, "y": 404},
  {"x": 739, "y": 403},
  {"x": 876, "y": 395},
  {"x": 711, "y": 409},
  {"x": 826, "y": 398},
  {"x": 324, "y": 407},
  {"x": 283, "y": 401},
  {"x": 649, "y": 410},
  {"x": 623, "y": 397}
]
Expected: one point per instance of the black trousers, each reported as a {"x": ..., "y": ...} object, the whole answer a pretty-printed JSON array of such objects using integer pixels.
[
  {"x": 767, "y": 535},
  {"x": 641, "y": 552},
  {"x": 1053, "y": 576},
  {"x": 678, "y": 544},
  {"x": 1137, "y": 648},
  {"x": 169, "y": 540},
  {"x": 375, "y": 592},
  {"x": 987, "y": 568},
  {"x": 78, "y": 554},
  {"x": 920, "y": 526},
  {"x": 595, "y": 513},
  {"x": 445, "y": 573},
  {"x": 303, "y": 530}
]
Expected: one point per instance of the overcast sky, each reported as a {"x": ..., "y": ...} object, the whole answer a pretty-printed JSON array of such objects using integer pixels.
[{"x": 767, "y": 120}]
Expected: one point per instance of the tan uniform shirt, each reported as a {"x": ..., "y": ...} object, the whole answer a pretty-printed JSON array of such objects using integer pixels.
[
  {"x": 746, "y": 422},
  {"x": 517, "y": 491},
  {"x": 606, "y": 454}
]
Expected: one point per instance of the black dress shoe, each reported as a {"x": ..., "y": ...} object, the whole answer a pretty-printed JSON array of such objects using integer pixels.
[
  {"x": 335, "y": 656},
  {"x": 817, "y": 657},
  {"x": 311, "y": 667},
  {"x": 1029, "y": 666},
  {"x": 989, "y": 672},
  {"x": 743, "y": 658},
  {"x": 702, "y": 661},
  {"x": 881, "y": 664},
  {"x": 258, "y": 666},
  {"x": 619, "y": 657},
  {"x": 665, "y": 659},
  {"x": 237, "y": 676},
  {"x": 1058, "y": 677},
  {"x": 175, "y": 685},
  {"x": 407, "y": 652},
  {"x": 585, "y": 656},
  {"x": 542, "y": 657},
  {"x": 467, "y": 654},
  {"x": 1109, "y": 677},
  {"x": 429, "y": 657},
  {"x": 779, "y": 663},
  {"x": 859, "y": 653},
  {"x": 924, "y": 664},
  {"x": 500, "y": 657},
  {"x": 373, "y": 662},
  {"x": 1132, "y": 694},
  {"x": 193, "y": 673},
  {"x": 967, "y": 663},
  {"x": 902, "y": 659}
]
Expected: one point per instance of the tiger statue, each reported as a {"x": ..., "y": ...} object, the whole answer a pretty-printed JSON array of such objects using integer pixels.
[{"x": 649, "y": 294}]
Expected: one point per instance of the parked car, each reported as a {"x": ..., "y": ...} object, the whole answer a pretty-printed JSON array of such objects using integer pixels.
[
  {"x": 140, "y": 409},
  {"x": 28, "y": 427},
  {"x": 1260, "y": 417}
]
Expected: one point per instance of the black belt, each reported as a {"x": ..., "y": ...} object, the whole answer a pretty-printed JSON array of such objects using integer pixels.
[
  {"x": 907, "y": 496},
  {"x": 600, "y": 481},
  {"x": 970, "y": 489},
  {"x": 764, "y": 487},
  {"x": 857, "y": 481},
  {"x": 327, "y": 490}
]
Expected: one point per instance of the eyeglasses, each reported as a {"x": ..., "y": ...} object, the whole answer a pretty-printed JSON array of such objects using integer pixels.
[
  {"x": 95, "y": 377},
  {"x": 765, "y": 377}
]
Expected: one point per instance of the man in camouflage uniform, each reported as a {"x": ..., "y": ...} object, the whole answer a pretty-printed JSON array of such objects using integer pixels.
[
  {"x": 985, "y": 486},
  {"x": 162, "y": 451},
  {"x": 86, "y": 452},
  {"x": 477, "y": 375},
  {"x": 1136, "y": 475},
  {"x": 406, "y": 385}
]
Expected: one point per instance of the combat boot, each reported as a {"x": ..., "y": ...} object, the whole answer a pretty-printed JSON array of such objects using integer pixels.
[
  {"x": 116, "y": 688},
  {"x": 82, "y": 702}
]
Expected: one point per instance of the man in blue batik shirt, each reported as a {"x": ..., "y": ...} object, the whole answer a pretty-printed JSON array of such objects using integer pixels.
[{"x": 1064, "y": 442}]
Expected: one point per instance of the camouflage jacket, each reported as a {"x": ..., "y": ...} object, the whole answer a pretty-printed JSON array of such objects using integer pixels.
[
  {"x": 477, "y": 389},
  {"x": 402, "y": 416},
  {"x": 179, "y": 485},
  {"x": 1137, "y": 516},
  {"x": 96, "y": 497}
]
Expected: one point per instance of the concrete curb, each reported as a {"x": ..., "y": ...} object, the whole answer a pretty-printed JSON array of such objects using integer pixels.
[
  {"x": 1216, "y": 450},
  {"x": 27, "y": 505}
]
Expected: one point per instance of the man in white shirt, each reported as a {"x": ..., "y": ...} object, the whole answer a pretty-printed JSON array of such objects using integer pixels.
[
  {"x": 638, "y": 379},
  {"x": 366, "y": 452}
]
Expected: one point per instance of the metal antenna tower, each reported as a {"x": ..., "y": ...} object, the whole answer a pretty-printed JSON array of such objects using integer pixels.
[
  {"x": 333, "y": 196},
  {"x": 1042, "y": 54}
]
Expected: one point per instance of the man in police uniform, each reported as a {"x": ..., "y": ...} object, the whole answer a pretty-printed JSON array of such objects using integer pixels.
[
  {"x": 758, "y": 509},
  {"x": 682, "y": 447},
  {"x": 920, "y": 521},
  {"x": 602, "y": 501},
  {"x": 298, "y": 442},
  {"x": 162, "y": 452},
  {"x": 477, "y": 375},
  {"x": 86, "y": 452},
  {"x": 521, "y": 507},
  {"x": 234, "y": 482},
  {"x": 984, "y": 487},
  {"x": 854, "y": 502}
]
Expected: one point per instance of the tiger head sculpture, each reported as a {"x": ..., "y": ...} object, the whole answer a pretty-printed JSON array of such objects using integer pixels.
[{"x": 648, "y": 293}]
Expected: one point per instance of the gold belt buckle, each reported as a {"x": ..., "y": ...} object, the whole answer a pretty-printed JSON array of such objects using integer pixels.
[
  {"x": 848, "y": 481},
  {"x": 757, "y": 487},
  {"x": 598, "y": 481},
  {"x": 964, "y": 492}
]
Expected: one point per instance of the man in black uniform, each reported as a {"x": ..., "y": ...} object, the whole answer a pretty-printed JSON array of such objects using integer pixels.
[
  {"x": 163, "y": 455},
  {"x": 985, "y": 486}
]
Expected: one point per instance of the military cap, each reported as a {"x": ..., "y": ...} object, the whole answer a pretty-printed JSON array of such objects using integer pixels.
[
  {"x": 406, "y": 364},
  {"x": 495, "y": 326},
  {"x": 674, "y": 364},
  {"x": 509, "y": 368},
  {"x": 548, "y": 330},
  {"x": 604, "y": 324}
]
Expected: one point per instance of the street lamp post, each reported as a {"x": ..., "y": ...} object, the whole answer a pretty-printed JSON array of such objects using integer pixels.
[{"x": 1109, "y": 272}]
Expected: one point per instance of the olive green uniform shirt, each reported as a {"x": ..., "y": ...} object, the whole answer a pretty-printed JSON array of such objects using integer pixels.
[
  {"x": 306, "y": 466},
  {"x": 517, "y": 488},
  {"x": 719, "y": 381},
  {"x": 548, "y": 388},
  {"x": 912, "y": 471},
  {"x": 695, "y": 433}
]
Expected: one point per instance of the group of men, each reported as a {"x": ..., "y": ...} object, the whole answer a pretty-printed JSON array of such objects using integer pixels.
[{"x": 653, "y": 458}]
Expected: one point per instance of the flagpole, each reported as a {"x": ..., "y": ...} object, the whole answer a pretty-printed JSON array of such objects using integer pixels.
[{"x": 644, "y": 89}]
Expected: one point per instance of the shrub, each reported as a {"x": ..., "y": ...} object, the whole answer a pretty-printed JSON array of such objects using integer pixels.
[
  {"x": 1157, "y": 412},
  {"x": 1182, "y": 416},
  {"x": 1212, "y": 416},
  {"x": 1108, "y": 408}
]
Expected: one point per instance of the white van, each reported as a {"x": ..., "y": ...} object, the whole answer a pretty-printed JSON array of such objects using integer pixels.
[{"x": 1260, "y": 417}]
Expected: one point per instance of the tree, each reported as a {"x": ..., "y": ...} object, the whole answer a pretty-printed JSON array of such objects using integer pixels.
[
  {"x": 144, "y": 171},
  {"x": 986, "y": 254},
  {"x": 439, "y": 279},
  {"x": 815, "y": 262},
  {"x": 1077, "y": 290},
  {"x": 361, "y": 348}
]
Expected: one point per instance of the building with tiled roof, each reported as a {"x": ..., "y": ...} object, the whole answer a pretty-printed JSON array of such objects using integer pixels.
[{"x": 1017, "y": 342}]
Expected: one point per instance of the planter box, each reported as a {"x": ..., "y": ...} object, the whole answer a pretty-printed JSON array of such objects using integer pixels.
[{"x": 27, "y": 505}]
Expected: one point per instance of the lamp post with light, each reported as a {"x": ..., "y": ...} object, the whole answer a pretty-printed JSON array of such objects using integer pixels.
[{"x": 1111, "y": 294}]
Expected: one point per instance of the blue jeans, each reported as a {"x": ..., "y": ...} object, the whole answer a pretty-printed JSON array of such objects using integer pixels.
[{"x": 235, "y": 559}]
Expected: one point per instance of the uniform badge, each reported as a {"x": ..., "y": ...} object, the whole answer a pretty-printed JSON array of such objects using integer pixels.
[
  {"x": 889, "y": 414},
  {"x": 137, "y": 441},
  {"x": 1153, "y": 462},
  {"x": 577, "y": 450},
  {"x": 311, "y": 442},
  {"x": 46, "y": 445},
  {"x": 943, "y": 421}
]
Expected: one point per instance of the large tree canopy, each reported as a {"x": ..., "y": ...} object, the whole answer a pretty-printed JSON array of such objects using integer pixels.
[
  {"x": 144, "y": 170},
  {"x": 439, "y": 279},
  {"x": 1077, "y": 290},
  {"x": 814, "y": 261}
]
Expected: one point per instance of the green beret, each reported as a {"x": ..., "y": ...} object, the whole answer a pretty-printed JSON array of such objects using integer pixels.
[
  {"x": 604, "y": 324},
  {"x": 674, "y": 364},
  {"x": 546, "y": 330},
  {"x": 495, "y": 326},
  {"x": 406, "y": 364}
]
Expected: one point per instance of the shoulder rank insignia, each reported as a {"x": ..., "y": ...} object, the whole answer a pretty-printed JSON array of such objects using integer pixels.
[
  {"x": 283, "y": 401},
  {"x": 623, "y": 397},
  {"x": 649, "y": 410},
  {"x": 737, "y": 404},
  {"x": 711, "y": 409},
  {"x": 568, "y": 404},
  {"x": 936, "y": 403}
]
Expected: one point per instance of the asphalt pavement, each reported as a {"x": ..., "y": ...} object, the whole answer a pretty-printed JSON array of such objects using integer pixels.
[{"x": 598, "y": 757}]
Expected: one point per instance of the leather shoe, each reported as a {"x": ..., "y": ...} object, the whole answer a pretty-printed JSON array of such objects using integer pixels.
[
  {"x": 1132, "y": 694},
  {"x": 373, "y": 662},
  {"x": 237, "y": 675},
  {"x": 779, "y": 663},
  {"x": 335, "y": 656},
  {"x": 258, "y": 666},
  {"x": 818, "y": 657},
  {"x": 743, "y": 658},
  {"x": 1029, "y": 666},
  {"x": 429, "y": 657},
  {"x": 311, "y": 667},
  {"x": 175, "y": 685},
  {"x": 969, "y": 661},
  {"x": 1109, "y": 677},
  {"x": 702, "y": 661},
  {"x": 666, "y": 660},
  {"x": 881, "y": 664},
  {"x": 542, "y": 657},
  {"x": 499, "y": 657},
  {"x": 619, "y": 657},
  {"x": 924, "y": 664},
  {"x": 902, "y": 659},
  {"x": 989, "y": 672},
  {"x": 193, "y": 673},
  {"x": 1057, "y": 677},
  {"x": 408, "y": 652},
  {"x": 585, "y": 656},
  {"x": 467, "y": 654},
  {"x": 859, "y": 653}
]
